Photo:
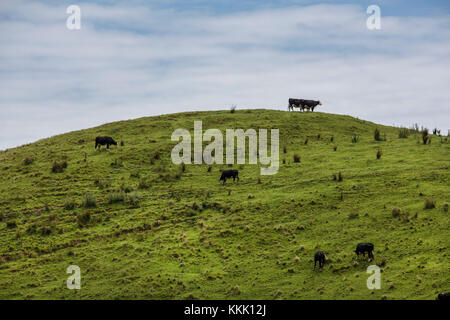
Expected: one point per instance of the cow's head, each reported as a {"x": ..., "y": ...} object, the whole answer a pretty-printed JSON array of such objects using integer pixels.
[
  {"x": 320, "y": 103},
  {"x": 114, "y": 143}
]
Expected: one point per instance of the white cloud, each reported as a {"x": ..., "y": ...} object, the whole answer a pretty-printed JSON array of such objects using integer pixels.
[{"x": 128, "y": 62}]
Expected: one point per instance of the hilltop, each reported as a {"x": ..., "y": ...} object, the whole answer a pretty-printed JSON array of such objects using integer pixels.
[{"x": 140, "y": 227}]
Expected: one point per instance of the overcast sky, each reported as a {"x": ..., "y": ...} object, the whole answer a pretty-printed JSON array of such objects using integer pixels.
[{"x": 136, "y": 58}]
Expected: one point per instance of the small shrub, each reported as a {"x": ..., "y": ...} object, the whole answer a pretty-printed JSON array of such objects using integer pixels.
[
  {"x": 125, "y": 188},
  {"x": 83, "y": 218},
  {"x": 340, "y": 177},
  {"x": 135, "y": 174},
  {"x": 429, "y": 204},
  {"x": 209, "y": 169},
  {"x": 89, "y": 201},
  {"x": 58, "y": 167},
  {"x": 296, "y": 158},
  {"x": 134, "y": 199},
  {"x": 306, "y": 141},
  {"x": 355, "y": 138},
  {"x": 143, "y": 184},
  {"x": 183, "y": 167},
  {"x": 102, "y": 183},
  {"x": 69, "y": 204},
  {"x": 11, "y": 224},
  {"x": 396, "y": 212},
  {"x": 332, "y": 139},
  {"x": 27, "y": 161},
  {"x": 335, "y": 148},
  {"x": 403, "y": 133},
  {"x": 284, "y": 149},
  {"x": 445, "y": 208},
  {"x": 425, "y": 136},
  {"x": 379, "y": 154},
  {"x": 353, "y": 215},
  {"x": 377, "y": 135},
  {"x": 233, "y": 109},
  {"x": 122, "y": 143},
  {"x": 115, "y": 197}
]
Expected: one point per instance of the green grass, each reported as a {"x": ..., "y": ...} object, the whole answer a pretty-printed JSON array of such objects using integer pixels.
[{"x": 141, "y": 228}]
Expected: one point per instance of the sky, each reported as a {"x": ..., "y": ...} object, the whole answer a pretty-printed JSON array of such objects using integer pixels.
[{"x": 141, "y": 58}]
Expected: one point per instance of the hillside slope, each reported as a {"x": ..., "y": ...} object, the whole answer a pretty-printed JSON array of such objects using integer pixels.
[{"x": 156, "y": 232}]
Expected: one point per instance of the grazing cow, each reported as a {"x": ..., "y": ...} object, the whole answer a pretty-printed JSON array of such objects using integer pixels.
[
  {"x": 444, "y": 296},
  {"x": 229, "y": 174},
  {"x": 311, "y": 104},
  {"x": 363, "y": 248},
  {"x": 321, "y": 258},
  {"x": 101, "y": 141}
]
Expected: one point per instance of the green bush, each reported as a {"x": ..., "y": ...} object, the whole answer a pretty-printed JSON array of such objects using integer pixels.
[
  {"x": 83, "y": 218},
  {"x": 143, "y": 183},
  {"x": 379, "y": 154},
  {"x": 377, "y": 135},
  {"x": 27, "y": 161},
  {"x": 69, "y": 204},
  {"x": 133, "y": 199},
  {"x": 429, "y": 204},
  {"x": 403, "y": 133},
  {"x": 58, "y": 167},
  {"x": 396, "y": 212},
  {"x": 355, "y": 138},
  {"x": 338, "y": 177},
  {"x": 115, "y": 197},
  {"x": 425, "y": 137},
  {"x": 89, "y": 201},
  {"x": 296, "y": 158},
  {"x": 11, "y": 224}
]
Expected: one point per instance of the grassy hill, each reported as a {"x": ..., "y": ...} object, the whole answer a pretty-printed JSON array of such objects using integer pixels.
[{"x": 139, "y": 226}]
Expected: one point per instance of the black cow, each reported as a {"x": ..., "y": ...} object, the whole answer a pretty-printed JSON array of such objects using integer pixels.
[
  {"x": 311, "y": 104},
  {"x": 303, "y": 104},
  {"x": 101, "y": 141},
  {"x": 363, "y": 248},
  {"x": 444, "y": 296},
  {"x": 295, "y": 103},
  {"x": 229, "y": 174},
  {"x": 321, "y": 258}
]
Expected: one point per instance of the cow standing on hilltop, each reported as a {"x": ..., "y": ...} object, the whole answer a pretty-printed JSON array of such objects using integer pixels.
[
  {"x": 303, "y": 104},
  {"x": 101, "y": 141}
]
